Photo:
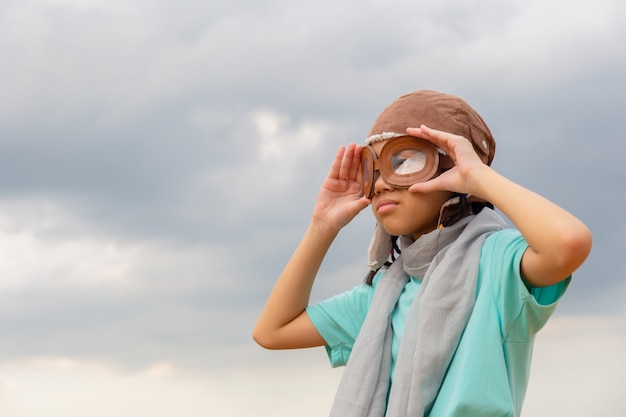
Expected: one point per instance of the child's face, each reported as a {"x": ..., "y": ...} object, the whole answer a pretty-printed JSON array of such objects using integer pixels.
[{"x": 401, "y": 212}]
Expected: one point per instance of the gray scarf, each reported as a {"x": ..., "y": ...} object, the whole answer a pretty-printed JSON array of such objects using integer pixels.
[{"x": 447, "y": 259}]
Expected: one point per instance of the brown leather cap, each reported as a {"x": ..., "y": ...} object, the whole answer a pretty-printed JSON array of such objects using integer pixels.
[{"x": 439, "y": 111}]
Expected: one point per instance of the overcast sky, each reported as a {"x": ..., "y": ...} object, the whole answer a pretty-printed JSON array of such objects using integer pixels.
[{"x": 159, "y": 161}]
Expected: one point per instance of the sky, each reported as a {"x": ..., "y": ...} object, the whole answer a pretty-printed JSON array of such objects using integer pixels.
[{"x": 159, "y": 161}]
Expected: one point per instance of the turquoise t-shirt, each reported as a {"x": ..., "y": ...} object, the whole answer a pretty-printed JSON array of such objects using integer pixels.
[{"x": 489, "y": 372}]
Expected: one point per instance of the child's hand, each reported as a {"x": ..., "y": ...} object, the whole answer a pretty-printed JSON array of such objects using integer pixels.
[
  {"x": 466, "y": 162},
  {"x": 341, "y": 196}
]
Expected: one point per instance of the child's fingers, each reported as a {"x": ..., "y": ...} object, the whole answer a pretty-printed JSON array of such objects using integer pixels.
[
  {"x": 335, "y": 168},
  {"x": 437, "y": 137},
  {"x": 458, "y": 148},
  {"x": 356, "y": 163},
  {"x": 426, "y": 187},
  {"x": 346, "y": 162},
  {"x": 349, "y": 163}
]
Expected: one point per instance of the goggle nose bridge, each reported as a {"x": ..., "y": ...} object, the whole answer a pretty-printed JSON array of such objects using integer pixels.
[{"x": 375, "y": 174}]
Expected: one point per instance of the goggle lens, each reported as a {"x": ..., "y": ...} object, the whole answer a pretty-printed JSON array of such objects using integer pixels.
[
  {"x": 408, "y": 161},
  {"x": 367, "y": 172}
]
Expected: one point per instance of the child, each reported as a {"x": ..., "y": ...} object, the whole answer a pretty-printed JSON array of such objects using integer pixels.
[{"x": 447, "y": 328}]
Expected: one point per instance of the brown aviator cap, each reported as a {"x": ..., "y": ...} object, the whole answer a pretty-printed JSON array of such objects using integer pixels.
[{"x": 438, "y": 111}]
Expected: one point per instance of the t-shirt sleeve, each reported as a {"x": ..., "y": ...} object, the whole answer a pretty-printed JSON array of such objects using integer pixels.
[
  {"x": 339, "y": 320},
  {"x": 523, "y": 310}
]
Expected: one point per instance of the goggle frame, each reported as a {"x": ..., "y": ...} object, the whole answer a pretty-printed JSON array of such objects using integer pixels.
[{"x": 371, "y": 163}]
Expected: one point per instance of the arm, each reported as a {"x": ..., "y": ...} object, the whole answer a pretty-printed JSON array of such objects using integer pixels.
[
  {"x": 283, "y": 323},
  {"x": 558, "y": 242}
]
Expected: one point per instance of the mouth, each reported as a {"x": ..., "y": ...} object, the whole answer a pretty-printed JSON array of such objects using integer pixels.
[{"x": 386, "y": 205}]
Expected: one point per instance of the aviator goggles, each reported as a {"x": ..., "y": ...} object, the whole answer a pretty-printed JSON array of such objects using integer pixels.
[{"x": 403, "y": 161}]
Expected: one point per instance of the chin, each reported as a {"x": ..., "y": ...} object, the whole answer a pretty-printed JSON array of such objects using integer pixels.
[{"x": 395, "y": 230}]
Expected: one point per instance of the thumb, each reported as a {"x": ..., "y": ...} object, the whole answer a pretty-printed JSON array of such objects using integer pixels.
[
  {"x": 356, "y": 206},
  {"x": 361, "y": 203},
  {"x": 426, "y": 187}
]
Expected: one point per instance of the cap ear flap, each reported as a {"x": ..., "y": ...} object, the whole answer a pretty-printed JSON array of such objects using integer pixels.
[{"x": 380, "y": 248}]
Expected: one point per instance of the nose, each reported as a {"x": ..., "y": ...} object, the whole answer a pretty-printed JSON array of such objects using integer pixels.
[{"x": 379, "y": 184}]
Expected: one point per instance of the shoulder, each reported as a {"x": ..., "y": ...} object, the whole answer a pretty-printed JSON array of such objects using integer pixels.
[
  {"x": 500, "y": 275},
  {"x": 345, "y": 306},
  {"x": 504, "y": 239},
  {"x": 503, "y": 249}
]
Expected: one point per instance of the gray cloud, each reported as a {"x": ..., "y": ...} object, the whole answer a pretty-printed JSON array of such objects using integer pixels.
[{"x": 159, "y": 162}]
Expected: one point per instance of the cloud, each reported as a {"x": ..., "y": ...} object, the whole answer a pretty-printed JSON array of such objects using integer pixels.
[
  {"x": 45, "y": 245},
  {"x": 266, "y": 168},
  {"x": 159, "y": 162},
  {"x": 131, "y": 59},
  {"x": 67, "y": 387},
  {"x": 577, "y": 369},
  {"x": 70, "y": 290},
  {"x": 531, "y": 46}
]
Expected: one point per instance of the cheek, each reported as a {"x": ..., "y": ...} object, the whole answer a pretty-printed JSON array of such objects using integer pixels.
[{"x": 428, "y": 204}]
